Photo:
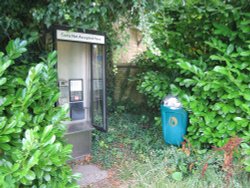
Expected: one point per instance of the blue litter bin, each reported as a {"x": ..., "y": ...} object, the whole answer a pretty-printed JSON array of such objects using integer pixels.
[{"x": 174, "y": 124}]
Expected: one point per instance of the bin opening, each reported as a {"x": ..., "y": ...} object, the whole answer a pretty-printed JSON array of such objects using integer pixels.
[{"x": 171, "y": 102}]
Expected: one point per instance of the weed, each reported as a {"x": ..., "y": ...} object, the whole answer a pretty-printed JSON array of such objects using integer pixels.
[{"x": 229, "y": 149}]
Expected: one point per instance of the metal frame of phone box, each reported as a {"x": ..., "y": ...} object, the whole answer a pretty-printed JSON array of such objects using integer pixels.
[{"x": 53, "y": 30}]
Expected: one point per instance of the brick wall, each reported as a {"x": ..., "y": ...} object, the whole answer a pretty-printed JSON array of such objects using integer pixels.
[
  {"x": 133, "y": 47},
  {"x": 125, "y": 87}
]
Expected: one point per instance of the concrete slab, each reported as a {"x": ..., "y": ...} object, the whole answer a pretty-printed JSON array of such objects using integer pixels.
[{"x": 90, "y": 174}]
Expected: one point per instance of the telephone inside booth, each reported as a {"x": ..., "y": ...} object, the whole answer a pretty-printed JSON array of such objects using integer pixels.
[
  {"x": 76, "y": 99},
  {"x": 82, "y": 84}
]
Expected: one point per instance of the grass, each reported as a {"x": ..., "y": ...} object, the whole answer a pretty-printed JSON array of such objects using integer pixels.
[
  {"x": 157, "y": 175},
  {"x": 142, "y": 159}
]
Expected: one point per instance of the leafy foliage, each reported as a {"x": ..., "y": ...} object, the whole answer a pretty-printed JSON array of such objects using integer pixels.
[
  {"x": 32, "y": 148},
  {"x": 204, "y": 60},
  {"x": 32, "y": 21},
  {"x": 219, "y": 101},
  {"x": 211, "y": 76},
  {"x": 27, "y": 18}
]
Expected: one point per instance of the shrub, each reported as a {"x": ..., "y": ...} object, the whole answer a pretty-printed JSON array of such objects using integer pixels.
[
  {"x": 219, "y": 99},
  {"x": 204, "y": 60},
  {"x": 32, "y": 148}
]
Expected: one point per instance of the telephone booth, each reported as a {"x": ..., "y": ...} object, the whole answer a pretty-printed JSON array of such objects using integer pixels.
[{"x": 81, "y": 80}]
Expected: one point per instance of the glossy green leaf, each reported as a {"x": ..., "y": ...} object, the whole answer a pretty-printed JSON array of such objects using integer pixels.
[
  {"x": 47, "y": 177},
  {"x": 221, "y": 70},
  {"x": 230, "y": 49},
  {"x": 4, "y": 139},
  {"x": 245, "y": 53},
  {"x": 30, "y": 175},
  {"x": 47, "y": 131},
  {"x": 2, "y": 81},
  {"x": 177, "y": 176}
]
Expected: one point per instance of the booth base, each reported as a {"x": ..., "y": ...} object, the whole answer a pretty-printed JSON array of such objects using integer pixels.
[{"x": 79, "y": 134}]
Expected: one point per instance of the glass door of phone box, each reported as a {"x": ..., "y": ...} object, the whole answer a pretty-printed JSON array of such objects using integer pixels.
[{"x": 81, "y": 80}]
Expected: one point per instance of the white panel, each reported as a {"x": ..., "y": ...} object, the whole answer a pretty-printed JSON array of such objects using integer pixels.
[{"x": 79, "y": 37}]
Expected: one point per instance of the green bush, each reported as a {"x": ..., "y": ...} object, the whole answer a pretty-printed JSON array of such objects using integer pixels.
[
  {"x": 204, "y": 60},
  {"x": 32, "y": 149},
  {"x": 155, "y": 77},
  {"x": 220, "y": 98}
]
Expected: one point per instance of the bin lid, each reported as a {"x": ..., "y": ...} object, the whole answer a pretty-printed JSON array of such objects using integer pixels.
[{"x": 171, "y": 102}]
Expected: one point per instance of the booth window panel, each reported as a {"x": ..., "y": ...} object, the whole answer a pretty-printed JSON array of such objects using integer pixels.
[{"x": 97, "y": 84}]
